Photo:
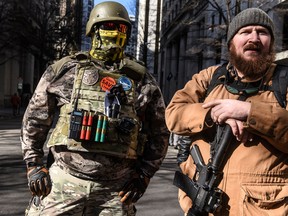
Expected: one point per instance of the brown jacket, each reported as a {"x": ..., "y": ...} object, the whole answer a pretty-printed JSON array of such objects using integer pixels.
[{"x": 256, "y": 174}]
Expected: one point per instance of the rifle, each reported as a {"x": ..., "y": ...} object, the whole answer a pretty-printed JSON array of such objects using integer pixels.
[{"x": 203, "y": 188}]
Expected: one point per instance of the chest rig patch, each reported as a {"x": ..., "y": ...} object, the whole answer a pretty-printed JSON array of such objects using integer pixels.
[{"x": 90, "y": 77}]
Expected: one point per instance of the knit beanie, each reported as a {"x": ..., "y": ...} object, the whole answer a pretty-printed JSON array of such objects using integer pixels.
[{"x": 249, "y": 16}]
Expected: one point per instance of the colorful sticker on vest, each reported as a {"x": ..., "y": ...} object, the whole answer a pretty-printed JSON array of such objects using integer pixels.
[
  {"x": 125, "y": 82},
  {"x": 107, "y": 83},
  {"x": 90, "y": 77}
]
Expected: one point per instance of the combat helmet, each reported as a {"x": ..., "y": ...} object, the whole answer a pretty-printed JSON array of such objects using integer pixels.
[{"x": 107, "y": 11}]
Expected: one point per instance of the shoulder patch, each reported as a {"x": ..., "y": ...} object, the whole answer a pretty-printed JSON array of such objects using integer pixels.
[
  {"x": 107, "y": 83},
  {"x": 90, "y": 77}
]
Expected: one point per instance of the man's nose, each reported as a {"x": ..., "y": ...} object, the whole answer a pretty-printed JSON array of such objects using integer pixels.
[{"x": 254, "y": 36}]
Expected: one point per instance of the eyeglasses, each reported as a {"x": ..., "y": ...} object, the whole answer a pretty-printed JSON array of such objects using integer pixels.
[
  {"x": 111, "y": 26},
  {"x": 240, "y": 88},
  {"x": 247, "y": 91}
]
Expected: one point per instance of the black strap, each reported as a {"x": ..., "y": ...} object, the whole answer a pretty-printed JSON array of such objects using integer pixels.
[
  {"x": 279, "y": 82},
  {"x": 218, "y": 77}
]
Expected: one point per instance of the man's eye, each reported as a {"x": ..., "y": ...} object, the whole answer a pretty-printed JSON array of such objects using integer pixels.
[
  {"x": 245, "y": 32},
  {"x": 263, "y": 32}
]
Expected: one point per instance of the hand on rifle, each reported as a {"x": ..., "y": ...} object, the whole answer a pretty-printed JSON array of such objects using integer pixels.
[
  {"x": 223, "y": 109},
  {"x": 232, "y": 112}
]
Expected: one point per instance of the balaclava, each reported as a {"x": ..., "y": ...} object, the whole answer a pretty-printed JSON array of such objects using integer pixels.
[{"x": 108, "y": 41}]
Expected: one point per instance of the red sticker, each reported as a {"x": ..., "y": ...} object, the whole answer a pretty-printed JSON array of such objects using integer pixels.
[{"x": 107, "y": 83}]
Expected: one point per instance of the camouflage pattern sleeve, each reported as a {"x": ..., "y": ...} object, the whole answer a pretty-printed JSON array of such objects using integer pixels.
[
  {"x": 39, "y": 115},
  {"x": 151, "y": 110},
  {"x": 37, "y": 119}
]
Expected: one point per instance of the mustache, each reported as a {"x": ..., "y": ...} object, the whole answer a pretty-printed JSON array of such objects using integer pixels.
[{"x": 253, "y": 46}]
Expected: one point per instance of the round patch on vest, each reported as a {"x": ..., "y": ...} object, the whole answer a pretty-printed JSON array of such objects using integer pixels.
[
  {"x": 125, "y": 82},
  {"x": 90, "y": 77},
  {"x": 107, "y": 83}
]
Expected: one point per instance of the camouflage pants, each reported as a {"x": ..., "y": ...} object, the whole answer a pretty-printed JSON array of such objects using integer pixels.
[{"x": 74, "y": 196}]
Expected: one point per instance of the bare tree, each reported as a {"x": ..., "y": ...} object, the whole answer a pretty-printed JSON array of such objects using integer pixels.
[
  {"x": 6, "y": 36},
  {"x": 36, "y": 28}
]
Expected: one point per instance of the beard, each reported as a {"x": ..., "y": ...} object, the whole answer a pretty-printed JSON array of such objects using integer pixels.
[{"x": 253, "y": 68}]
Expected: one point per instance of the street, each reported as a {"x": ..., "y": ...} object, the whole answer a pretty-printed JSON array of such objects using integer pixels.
[{"x": 160, "y": 198}]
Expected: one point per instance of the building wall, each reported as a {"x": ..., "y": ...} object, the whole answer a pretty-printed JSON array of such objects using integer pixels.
[
  {"x": 9, "y": 78},
  {"x": 148, "y": 30},
  {"x": 17, "y": 62},
  {"x": 132, "y": 42}
]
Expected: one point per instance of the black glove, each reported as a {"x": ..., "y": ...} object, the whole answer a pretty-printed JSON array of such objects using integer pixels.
[
  {"x": 184, "y": 143},
  {"x": 39, "y": 181},
  {"x": 134, "y": 189}
]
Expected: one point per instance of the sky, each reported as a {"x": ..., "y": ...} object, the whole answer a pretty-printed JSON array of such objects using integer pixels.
[{"x": 128, "y": 4}]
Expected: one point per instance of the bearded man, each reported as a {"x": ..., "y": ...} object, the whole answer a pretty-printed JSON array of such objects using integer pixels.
[{"x": 255, "y": 170}]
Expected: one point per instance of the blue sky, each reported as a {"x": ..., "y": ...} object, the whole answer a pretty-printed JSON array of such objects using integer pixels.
[{"x": 128, "y": 4}]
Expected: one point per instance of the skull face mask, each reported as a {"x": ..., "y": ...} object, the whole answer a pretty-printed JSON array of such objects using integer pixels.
[{"x": 108, "y": 41}]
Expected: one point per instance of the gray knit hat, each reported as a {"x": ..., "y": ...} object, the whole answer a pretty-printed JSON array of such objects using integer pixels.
[{"x": 249, "y": 16}]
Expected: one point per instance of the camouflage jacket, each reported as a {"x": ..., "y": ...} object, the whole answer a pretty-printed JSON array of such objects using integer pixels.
[{"x": 54, "y": 90}]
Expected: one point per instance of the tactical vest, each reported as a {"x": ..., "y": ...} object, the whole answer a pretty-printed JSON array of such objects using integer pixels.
[{"x": 101, "y": 116}]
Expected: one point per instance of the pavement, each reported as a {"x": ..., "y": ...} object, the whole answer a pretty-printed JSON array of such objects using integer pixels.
[{"x": 160, "y": 198}]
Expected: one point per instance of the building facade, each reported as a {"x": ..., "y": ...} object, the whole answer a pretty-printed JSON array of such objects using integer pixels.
[
  {"x": 148, "y": 18},
  {"x": 86, "y": 10},
  {"x": 20, "y": 47},
  {"x": 130, "y": 49}
]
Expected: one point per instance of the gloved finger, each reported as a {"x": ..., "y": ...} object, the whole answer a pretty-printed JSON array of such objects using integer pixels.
[
  {"x": 123, "y": 192},
  {"x": 125, "y": 198},
  {"x": 130, "y": 197},
  {"x": 38, "y": 187},
  {"x": 32, "y": 187},
  {"x": 42, "y": 187},
  {"x": 48, "y": 186},
  {"x": 136, "y": 197},
  {"x": 126, "y": 188}
]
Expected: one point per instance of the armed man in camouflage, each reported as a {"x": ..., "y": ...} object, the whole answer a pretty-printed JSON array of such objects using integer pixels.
[{"x": 110, "y": 137}]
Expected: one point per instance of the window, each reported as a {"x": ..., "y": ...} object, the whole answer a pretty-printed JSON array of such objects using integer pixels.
[
  {"x": 212, "y": 23},
  {"x": 285, "y": 33}
]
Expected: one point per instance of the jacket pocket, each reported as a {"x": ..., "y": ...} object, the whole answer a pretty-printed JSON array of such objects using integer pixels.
[{"x": 264, "y": 199}]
